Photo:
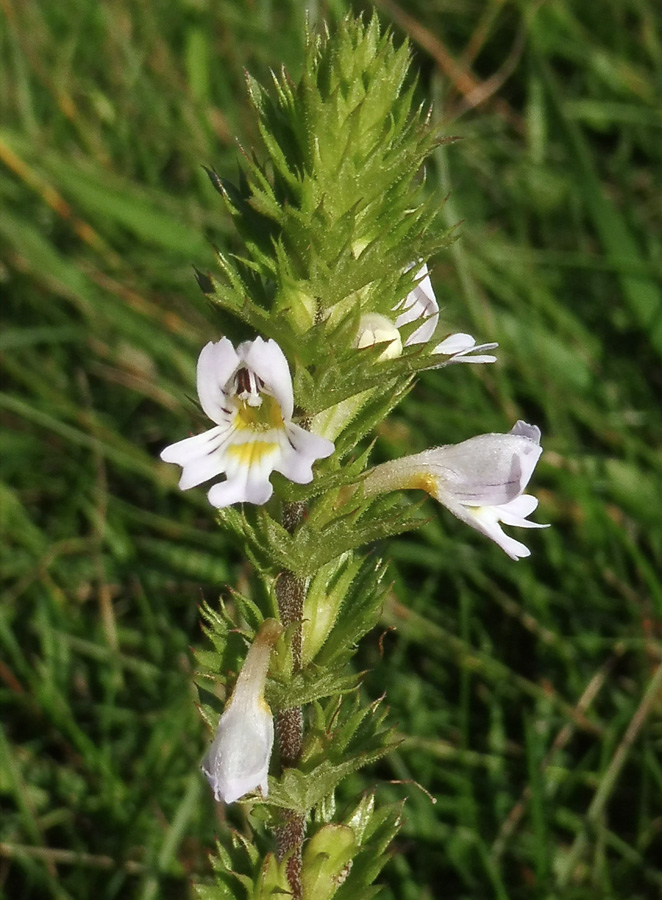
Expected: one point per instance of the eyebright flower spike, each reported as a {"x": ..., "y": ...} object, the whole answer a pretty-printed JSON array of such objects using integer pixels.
[
  {"x": 238, "y": 759},
  {"x": 248, "y": 393},
  {"x": 481, "y": 481}
]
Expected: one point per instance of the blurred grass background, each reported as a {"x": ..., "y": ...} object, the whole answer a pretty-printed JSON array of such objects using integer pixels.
[{"x": 530, "y": 694}]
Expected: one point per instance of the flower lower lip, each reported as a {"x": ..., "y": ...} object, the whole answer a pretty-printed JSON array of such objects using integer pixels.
[{"x": 252, "y": 453}]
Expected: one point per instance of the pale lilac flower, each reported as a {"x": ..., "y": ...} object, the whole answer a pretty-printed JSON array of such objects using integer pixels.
[
  {"x": 248, "y": 393},
  {"x": 481, "y": 481},
  {"x": 238, "y": 760},
  {"x": 420, "y": 303}
]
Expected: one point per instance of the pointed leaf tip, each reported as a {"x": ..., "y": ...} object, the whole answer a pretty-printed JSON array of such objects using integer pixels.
[
  {"x": 205, "y": 283},
  {"x": 215, "y": 179}
]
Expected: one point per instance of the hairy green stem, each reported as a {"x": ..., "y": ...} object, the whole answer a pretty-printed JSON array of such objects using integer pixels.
[{"x": 290, "y": 594}]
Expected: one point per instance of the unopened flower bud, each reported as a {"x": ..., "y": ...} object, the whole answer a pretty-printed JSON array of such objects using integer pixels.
[
  {"x": 377, "y": 329},
  {"x": 238, "y": 759}
]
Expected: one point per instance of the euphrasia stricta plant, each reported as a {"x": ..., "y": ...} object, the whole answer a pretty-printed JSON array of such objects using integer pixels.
[{"x": 326, "y": 312}]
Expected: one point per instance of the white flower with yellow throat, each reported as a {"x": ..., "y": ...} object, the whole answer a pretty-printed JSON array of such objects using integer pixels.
[
  {"x": 248, "y": 393},
  {"x": 481, "y": 481}
]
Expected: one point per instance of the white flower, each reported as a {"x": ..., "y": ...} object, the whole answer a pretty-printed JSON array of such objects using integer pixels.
[
  {"x": 420, "y": 303},
  {"x": 238, "y": 760},
  {"x": 481, "y": 481},
  {"x": 248, "y": 393},
  {"x": 462, "y": 348}
]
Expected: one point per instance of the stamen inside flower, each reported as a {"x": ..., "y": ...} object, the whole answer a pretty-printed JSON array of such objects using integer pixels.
[
  {"x": 257, "y": 415},
  {"x": 247, "y": 386}
]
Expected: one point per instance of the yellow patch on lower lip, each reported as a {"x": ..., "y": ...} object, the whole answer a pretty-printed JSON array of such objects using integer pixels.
[{"x": 252, "y": 452}]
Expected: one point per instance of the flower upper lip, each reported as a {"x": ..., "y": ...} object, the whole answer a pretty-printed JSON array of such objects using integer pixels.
[{"x": 419, "y": 303}]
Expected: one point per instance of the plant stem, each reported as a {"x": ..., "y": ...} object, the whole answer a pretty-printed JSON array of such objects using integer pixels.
[{"x": 290, "y": 594}]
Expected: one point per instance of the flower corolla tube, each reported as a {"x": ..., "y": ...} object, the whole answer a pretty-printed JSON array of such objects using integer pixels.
[
  {"x": 481, "y": 481},
  {"x": 248, "y": 393},
  {"x": 238, "y": 760}
]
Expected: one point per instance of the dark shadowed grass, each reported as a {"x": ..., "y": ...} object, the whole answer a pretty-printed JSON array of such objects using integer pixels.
[{"x": 528, "y": 694}]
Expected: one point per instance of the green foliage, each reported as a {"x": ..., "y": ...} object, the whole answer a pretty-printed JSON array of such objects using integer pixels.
[
  {"x": 340, "y": 860},
  {"x": 231, "y": 866},
  {"x": 342, "y": 737},
  {"x": 332, "y": 528},
  {"x": 344, "y": 860},
  {"x": 327, "y": 860},
  {"x": 343, "y": 149}
]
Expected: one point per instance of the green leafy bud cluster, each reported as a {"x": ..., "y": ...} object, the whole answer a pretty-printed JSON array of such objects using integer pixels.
[{"x": 334, "y": 214}]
